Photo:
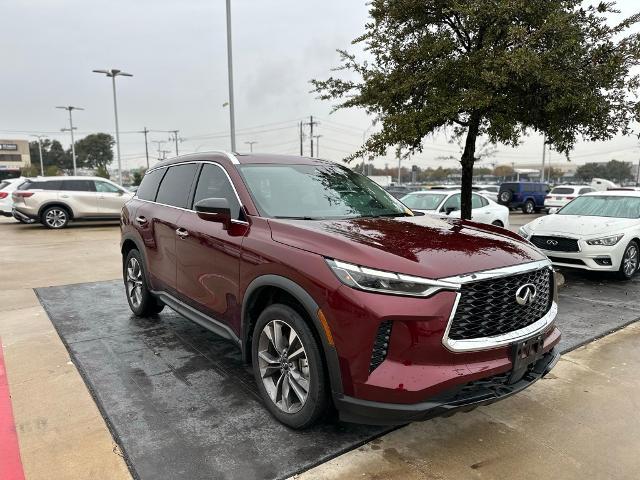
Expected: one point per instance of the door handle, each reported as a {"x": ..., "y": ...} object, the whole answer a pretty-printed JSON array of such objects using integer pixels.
[
  {"x": 141, "y": 220},
  {"x": 64, "y": 196},
  {"x": 182, "y": 233}
]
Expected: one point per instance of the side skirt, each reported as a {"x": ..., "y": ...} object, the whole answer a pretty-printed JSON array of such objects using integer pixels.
[{"x": 195, "y": 316}]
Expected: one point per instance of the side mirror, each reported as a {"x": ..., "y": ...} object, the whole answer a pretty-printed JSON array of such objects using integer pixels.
[
  {"x": 553, "y": 210},
  {"x": 450, "y": 210},
  {"x": 214, "y": 210}
]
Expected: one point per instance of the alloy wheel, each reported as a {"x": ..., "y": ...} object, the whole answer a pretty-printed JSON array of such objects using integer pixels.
[
  {"x": 630, "y": 260},
  {"x": 56, "y": 218},
  {"x": 134, "y": 282},
  {"x": 284, "y": 366}
]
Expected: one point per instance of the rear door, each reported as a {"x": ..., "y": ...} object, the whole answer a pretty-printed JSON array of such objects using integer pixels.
[
  {"x": 111, "y": 198},
  {"x": 81, "y": 196},
  {"x": 158, "y": 223},
  {"x": 209, "y": 253}
]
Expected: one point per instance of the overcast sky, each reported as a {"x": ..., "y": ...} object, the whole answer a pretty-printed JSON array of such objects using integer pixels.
[{"x": 176, "y": 51}]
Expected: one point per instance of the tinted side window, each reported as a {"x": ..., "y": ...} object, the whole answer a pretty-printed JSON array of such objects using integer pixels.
[
  {"x": 48, "y": 185},
  {"x": 105, "y": 187},
  {"x": 478, "y": 202},
  {"x": 176, "y": 184},
  {"x": 452, "y": 202},
  {"x": 585, "y": 190},
  {"x": 77, "y": 186},
  {"x": 149, "y": 185},
  {"x": 213, "y": 183}
]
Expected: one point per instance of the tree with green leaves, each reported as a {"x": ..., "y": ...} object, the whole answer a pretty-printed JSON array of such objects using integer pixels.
[
  {"x": 53, "y": 155},
  {"x": 490, "y": 68},
  {"x": 96, "y": 151},
  {"x": 613, "y": 170}
]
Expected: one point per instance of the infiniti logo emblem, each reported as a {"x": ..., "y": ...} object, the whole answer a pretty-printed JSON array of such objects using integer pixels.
[
  {"x": 526, "y": 294},
  {"x": 552, "y": 242}
]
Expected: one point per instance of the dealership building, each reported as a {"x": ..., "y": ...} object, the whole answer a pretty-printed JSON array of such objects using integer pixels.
[{"x": 14, "y": 155}]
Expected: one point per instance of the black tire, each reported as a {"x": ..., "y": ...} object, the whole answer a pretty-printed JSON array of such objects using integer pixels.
[
  {"x": 497, "y": 223},
  {"x": 292, "y": 373},
  {"x": 529, "y": 207},
  {"x": 55, "y": 217},
  {"x": 628, "y": 270},
  {"x": 505, "y": 197},
  {"x": 141, "y": 301}
]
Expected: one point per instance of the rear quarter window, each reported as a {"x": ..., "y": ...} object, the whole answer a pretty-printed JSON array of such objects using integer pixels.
[
  {"x": 46, "y": 185},
  {"x": 149, "y": 186}
]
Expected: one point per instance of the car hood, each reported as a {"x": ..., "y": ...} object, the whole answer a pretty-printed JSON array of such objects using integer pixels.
[
  {"x": 425, "y": 246},
  {"x": 579, "y": 225}
]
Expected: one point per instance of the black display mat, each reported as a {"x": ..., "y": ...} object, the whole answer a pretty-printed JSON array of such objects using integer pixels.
[{"x": 181, "y": 404}]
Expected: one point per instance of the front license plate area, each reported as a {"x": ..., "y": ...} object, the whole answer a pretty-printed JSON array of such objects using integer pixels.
[{"x": 524, "y": 355}]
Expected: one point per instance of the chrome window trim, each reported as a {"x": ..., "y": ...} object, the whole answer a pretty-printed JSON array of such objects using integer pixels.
[
  {"x": 487, "y": 343},
  {"x": 239, "y": 222}
]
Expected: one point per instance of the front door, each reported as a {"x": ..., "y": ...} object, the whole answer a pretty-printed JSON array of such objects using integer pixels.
[
  {"x": 111, "y": 198},
  {"x": 209, "y": 252}
]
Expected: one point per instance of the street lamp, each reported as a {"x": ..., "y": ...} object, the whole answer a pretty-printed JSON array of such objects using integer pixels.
[
  {"x": 317, "y": 137},
  {"x": 113, "y": 73},
  {"x": 251, "y": 145},
  {"x": 71, "y": 129},
  {"x": 232, "y": 116},
  {"x": 39, "y": 137}
]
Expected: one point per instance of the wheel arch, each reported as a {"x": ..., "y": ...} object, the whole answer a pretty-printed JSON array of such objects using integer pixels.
[
  {"x": 268, "y": 289},
  {"x": 56, "y": 203}
]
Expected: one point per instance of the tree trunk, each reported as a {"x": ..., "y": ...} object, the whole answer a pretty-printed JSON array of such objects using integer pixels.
[{"x": 467, "y": 161}]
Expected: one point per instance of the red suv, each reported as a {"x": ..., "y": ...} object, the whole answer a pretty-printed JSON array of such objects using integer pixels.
[{"x": 336, "y": 292}]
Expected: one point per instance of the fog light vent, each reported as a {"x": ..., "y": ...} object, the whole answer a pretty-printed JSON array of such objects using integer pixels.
[
  {"x": 605, "y": 261},
  {"x": 380, "y": 345}
]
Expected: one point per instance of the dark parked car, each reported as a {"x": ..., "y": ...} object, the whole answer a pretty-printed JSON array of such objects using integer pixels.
[
  {"x": 334, "y": 292},
  {"x": 529, "y": 196}
]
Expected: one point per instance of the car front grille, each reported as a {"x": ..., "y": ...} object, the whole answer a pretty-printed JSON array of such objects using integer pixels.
[
  {"x": 380, "y": 345},
  {"x": 488, "y": 307},
  {"x": 555, "y": 244}
]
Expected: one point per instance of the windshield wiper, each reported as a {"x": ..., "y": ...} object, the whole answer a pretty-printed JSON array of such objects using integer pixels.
[{"x": 295, "y": 218}]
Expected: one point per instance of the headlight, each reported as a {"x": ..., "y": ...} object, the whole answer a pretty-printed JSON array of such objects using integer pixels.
[
  {"x": 371, "y": 280},
  {"x": 524, "y": 233},
  {"x": 605, "y": 241}
]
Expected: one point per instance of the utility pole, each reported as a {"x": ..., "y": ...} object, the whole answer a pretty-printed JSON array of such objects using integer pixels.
[
  {"x": 311, "y": 125},
  {"x": 173, "y": 137},
  {"x": 159, "y": 143},
  {"x": 302, "y": 140},
  {"x": 544, "y": 151},
  {"x": 638, "y": 176},
  {"x": 232, "y": 115},
  {"x": 398, "y": 154},
  {"x": 71, "y": 129},
  {"x": 146, "y": 145},
  {"x": 250, "y": 145},
  {"x": 39, "y": 137},
  {"x": 164, "y": 153},
  {"x": 317, "y": 137}
]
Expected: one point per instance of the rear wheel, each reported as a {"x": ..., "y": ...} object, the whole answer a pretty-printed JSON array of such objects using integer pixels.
[
  {"x": 529, "y": 207},
  {"x": 55, "y": 217},
  {"x": 630, "y": 261},
  {"x": 141, "y": 300},
  {"x": 497, "y": 223},
  {"x": 288, "y": 367}
]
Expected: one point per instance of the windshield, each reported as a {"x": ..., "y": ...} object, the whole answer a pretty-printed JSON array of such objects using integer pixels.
[
  {"x": 423, "y": 201},
  {"x": 562, "y": 191},
  {"x": 315, "y": 192},
  {"x": 4, "y": 184},
  {"x": 603, "y": 206}
]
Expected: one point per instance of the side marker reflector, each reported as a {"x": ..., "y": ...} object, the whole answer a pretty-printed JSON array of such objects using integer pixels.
[{"x": 325, "y": 325}]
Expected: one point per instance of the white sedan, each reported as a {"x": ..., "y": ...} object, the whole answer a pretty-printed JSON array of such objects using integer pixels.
[
  {"x": 448, "y": 203},
  {"x": 596, "y": 231}
]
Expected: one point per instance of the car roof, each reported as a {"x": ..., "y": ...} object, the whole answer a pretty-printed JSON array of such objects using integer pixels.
[
  {"x": 243, "y": 159},
  {"x": 573, "y": 186},
  {"x": 64, "y": 177},
  {"x": 614, "y": 193}
]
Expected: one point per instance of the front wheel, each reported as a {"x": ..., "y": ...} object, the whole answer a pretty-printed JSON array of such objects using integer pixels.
[
  {"x": 288, "y": 367},
  {"x": 497, "y": 223},
  {"x": 141, "y": 300},
  {"x": 630, "y": 261}
]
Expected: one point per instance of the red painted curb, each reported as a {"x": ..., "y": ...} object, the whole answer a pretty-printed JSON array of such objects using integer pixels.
[{"x": 10, "y": 463}]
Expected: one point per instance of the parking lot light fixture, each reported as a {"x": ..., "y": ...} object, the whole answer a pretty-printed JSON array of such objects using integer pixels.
[{"x": 113, "y": 73}]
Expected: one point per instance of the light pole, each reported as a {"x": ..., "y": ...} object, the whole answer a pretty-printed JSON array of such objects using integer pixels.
[
  {"x": 232, "y": 116},
  {"x": 251, "y": 143},
  {"x": 113, "y": 73},
  {"x": 39, "y": 137},
  {"x": 70, "y": 129}
]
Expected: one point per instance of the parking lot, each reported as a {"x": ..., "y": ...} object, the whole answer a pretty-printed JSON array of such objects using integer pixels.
[{"x": 97, "y": 393}]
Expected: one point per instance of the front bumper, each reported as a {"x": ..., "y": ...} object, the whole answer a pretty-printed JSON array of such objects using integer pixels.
[
  {"x": 463, "y": 398},
  {"x": 590, "y": 257}
]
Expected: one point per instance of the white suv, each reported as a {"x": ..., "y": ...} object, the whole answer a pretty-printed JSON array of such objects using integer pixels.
[
  {"x": 54, "y": 201},
  {"x": 6, "y": 189}
]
